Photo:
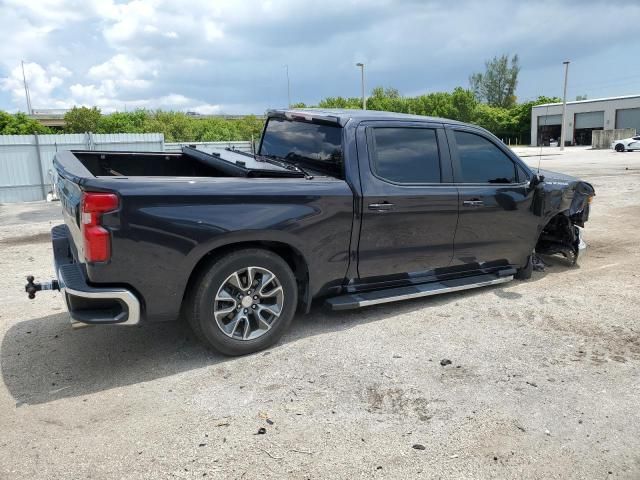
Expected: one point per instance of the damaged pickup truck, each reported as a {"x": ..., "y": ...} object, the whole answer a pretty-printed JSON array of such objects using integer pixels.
[{"x": 354, "y": 207}]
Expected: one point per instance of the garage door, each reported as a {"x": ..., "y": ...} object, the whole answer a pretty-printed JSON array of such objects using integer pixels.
[
  {"x": 544, "y": 120},
  {"x": 590, "y": 120},
  {"x": 628, "y": 118}
]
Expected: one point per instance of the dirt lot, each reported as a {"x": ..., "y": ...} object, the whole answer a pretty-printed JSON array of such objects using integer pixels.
[{"x": 544, "y": 380}]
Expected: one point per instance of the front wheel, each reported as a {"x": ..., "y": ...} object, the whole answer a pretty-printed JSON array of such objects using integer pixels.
[
  {"x": 620, "y": 148},
  {"x": 243, "y": 302}
]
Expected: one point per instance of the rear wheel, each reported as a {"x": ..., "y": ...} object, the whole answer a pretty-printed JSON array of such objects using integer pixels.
[
  {"x": 243, "y": 302},
  {"x": 619, "y": 147}
]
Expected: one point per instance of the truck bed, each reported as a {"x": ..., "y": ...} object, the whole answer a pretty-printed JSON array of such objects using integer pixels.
[
  {"x": 191, "y": 162},
  {"x": 132, "y": 164}
]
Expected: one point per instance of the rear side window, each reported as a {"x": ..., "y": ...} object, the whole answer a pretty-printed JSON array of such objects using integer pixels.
[
  {"x": 483, "y": 162},
  {"x": 314, "y": 146},
  {"x": 406, "y": 155}
]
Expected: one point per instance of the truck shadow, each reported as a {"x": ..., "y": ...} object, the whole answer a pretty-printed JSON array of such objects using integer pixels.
[{"x": 43, "y": 359}]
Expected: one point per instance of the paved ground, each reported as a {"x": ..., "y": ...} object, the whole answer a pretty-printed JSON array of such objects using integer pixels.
[{"x": 544, "y": 380}]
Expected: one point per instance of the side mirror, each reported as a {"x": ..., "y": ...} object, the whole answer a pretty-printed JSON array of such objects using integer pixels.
[{"x": 536, "y": 180}]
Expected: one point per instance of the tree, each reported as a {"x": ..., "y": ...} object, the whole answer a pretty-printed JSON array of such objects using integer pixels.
[
  {"x": 82, "y": 119},
  {"x": 464, "y": 104},
  {"x": 340, "y": 102},
  {"x": 20, "y": 124},
  {"x": 176, "y": 126},
  {"x": 497, "y": 85},
  {"x": 123, "y": 122}
]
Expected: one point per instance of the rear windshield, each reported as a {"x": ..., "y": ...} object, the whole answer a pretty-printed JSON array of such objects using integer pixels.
[{"x": 313, "y": 146}]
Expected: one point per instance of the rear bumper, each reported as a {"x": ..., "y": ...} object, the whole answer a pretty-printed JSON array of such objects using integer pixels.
[{"x": 89, "y": 305}]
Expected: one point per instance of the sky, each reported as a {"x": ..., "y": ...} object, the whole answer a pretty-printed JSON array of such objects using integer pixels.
[{"x": 229, "y": 57}]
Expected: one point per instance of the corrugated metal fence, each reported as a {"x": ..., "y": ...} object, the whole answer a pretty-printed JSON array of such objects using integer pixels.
[{"x": 26, "y": 160}]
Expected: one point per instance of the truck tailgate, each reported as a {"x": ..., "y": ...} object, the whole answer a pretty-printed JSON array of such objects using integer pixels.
[{"x": 70, "y": 195}]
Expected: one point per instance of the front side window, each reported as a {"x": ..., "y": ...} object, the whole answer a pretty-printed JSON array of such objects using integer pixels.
[
  {"x": 406, "y": 155},
  {"x": 313, "y": 145},
  {"x": 483, "y": 162}
]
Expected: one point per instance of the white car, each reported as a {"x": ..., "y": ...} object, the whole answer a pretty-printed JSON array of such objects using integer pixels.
[{"x": 627, "y": 144}]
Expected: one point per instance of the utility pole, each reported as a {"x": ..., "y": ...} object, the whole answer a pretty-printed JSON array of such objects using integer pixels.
[
  {"x": 288, "y": 87},
  {"x": 364, "y": 98},
  {"x": 26, "y": 90},
  {"x": 564, "y": 105}
]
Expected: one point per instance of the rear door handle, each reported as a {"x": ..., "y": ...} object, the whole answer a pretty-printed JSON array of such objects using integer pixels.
[
  {"x": 381, "y": 207},
  {"x": 473, "y": 203}
]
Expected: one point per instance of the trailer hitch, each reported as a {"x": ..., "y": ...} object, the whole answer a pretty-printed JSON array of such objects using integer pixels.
[{"x": 31, "y": 288}]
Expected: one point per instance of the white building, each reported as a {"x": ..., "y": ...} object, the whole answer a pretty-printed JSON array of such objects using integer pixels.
[{"x": 582, "y": 117}]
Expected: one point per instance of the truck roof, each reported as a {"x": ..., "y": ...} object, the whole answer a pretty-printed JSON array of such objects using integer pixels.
[{"x": 343, "y": 115}]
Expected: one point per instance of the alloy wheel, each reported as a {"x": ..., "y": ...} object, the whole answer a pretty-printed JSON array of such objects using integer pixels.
[{"x": 248, "y": 303}]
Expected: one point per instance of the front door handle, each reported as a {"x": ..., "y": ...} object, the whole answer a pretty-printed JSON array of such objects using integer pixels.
[
  {"x": 381, "y": 207},
  {"x": 473, "y": 203}
]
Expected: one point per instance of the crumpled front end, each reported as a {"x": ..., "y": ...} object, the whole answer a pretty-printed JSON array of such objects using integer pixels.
[{"x": 566, "y": 204}]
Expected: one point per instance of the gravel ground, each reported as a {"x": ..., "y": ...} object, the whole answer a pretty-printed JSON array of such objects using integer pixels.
[{"x": 544, "y": 380}]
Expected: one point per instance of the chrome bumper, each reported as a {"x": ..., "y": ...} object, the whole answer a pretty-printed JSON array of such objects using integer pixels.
[
  {"x": 89, "y": 305},
  {"x": 582, "y": 245}
]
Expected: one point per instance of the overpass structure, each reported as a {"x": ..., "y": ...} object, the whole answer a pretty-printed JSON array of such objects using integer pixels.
[{"x": 49, "y": 117}]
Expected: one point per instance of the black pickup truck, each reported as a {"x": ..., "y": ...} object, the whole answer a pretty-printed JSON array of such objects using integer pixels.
[{"x": 355, "y": 207}]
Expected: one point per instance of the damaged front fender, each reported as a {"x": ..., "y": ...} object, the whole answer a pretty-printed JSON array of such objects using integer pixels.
[{"x": 564, "y": 203}]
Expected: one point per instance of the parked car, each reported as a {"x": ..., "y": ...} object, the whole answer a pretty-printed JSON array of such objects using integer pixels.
[
  {"x": 626, "y": 144},
  {"x": 356, "y": 207}
]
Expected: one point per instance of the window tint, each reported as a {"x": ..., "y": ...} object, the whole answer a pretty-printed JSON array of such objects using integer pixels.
[
  {"x": 313, "y": 145},
  {"x": 406, "y": 155},
  {"x": 482, "y": 162},
  {"x": 523, "y": 175}
]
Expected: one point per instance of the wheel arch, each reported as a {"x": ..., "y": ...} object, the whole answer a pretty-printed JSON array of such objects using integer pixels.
[
  {"x": 290, "y": 254},
  {"x": 558, "y": 229}
]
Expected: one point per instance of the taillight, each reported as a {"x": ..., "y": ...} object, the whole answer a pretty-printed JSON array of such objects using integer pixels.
[{"x": 97, "y": 240}]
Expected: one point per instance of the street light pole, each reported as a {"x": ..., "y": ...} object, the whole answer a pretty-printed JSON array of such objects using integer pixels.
[
  {"x": 564, "y": 105},
  {"x": 364, "y": 98},
  {"x": 288, "y": 87},
  {"x": 26, "y": 91}
]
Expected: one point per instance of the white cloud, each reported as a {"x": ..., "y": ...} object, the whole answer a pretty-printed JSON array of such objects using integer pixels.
[
  {"x": 212, "y": 31},
  {"x": 42, "y": 82},
  {"x": 124, "y": 66},
  {"x": 228, "y": 56},
  {"x": 127, "y": 18},
  {"x": 207, "y": 109}
]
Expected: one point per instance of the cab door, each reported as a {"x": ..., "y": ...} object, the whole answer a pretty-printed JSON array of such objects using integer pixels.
[
  {"x": 409, "y": 204},
  {"x": 496, "y": 225}
]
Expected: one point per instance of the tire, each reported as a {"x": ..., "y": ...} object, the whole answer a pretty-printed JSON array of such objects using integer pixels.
[
  {"x": 525, "y": 272},
  {"x": 619, "y": 148},
  {"x": 570, "y": 256},
  {"x": 214, "y": 292}
]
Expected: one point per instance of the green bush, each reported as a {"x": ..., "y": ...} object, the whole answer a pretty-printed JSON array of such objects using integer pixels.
[
  {"x": 460, "y": 104},
  {"x": 20, "y": 124}
]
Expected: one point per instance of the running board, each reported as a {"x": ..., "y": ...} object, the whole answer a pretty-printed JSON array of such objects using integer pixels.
[{"x": 364, "y": 299}]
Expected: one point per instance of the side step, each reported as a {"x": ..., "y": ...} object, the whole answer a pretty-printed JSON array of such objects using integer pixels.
[{"x": 364, "y": 299}]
